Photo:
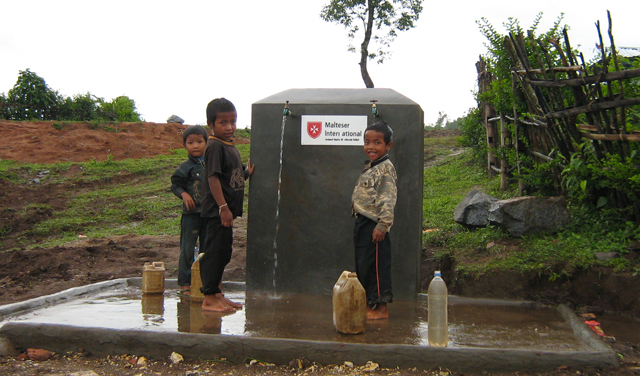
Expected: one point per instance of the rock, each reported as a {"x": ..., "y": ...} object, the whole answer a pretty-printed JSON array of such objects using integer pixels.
[
  {"x": 370, "y": 367},
  {"x": 7, "y": 348},
  {"x": 605, "y": 256},
  {"x": 39, "y": 354},
  {"x": 530, "y": 215},
  {"x": 176, "y": 358},
  {"x": 175, "y": 119},
  {"x": 473, "y": 210},
  {"x": 348, "y": 364},
  {"x": 142, "y": 361},
  {"x": 82, "y": 373}
]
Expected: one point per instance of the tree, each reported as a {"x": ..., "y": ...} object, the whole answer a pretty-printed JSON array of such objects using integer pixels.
[
  {"x": 32, "y": 98},
  {"x": 386, "y": 17},
  {"x": 120, "y": 109}
]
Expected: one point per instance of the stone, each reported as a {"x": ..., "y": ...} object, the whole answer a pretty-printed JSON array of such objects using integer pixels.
[
  {"x": 473, "y": 210},
  {"x": 175, "y": 119},
  {"x": 606, "y": 256},
  {"x": 370, "y": 367},
  {"x": 176, "y": 358},
  {"x": 39, "y": 354},
  {"x": 530, "y": 215},
  {"x": 7, "y": 348}
]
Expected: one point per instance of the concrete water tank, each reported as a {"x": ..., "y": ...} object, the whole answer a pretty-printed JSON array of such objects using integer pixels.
[{"x": 300, "y": 228}]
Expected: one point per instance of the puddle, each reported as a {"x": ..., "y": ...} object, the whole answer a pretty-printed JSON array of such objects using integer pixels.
[{"x": 473, "y": 323}]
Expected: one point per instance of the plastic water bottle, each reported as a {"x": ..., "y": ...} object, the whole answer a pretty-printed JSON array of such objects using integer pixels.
[
  {"x": 196, "y": 251},
  {"x": 438, "y": 333}
]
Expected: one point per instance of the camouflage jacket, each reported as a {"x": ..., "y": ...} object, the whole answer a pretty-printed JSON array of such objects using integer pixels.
[{"x": 375, "y": 193}]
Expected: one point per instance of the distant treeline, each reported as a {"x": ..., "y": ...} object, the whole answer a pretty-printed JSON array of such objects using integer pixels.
[{"x": 32, "y": 99}]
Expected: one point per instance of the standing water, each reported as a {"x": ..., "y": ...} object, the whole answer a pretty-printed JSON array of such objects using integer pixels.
[{"x": 438, "y": 332}]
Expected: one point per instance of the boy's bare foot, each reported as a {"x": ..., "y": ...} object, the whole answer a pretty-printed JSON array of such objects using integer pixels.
[
  {"x": 381, "y": 312},
  {"x": 216, "y": 303},
  {"x": 231, "y": 303}
]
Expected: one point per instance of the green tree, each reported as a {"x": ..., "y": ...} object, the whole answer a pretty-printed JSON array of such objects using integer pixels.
[
  {"x": 4, "y": 107},
  {"x": 82, "y": 107},
  {"x": 120, "y": 109},
  {"x": 32, "y": 98},
  {"x": 381, "y": 21}
]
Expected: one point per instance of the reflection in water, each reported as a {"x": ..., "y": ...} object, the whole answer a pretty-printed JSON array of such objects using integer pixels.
[
  {"x": 192, "y": 319},
  {"x": 473, "y": 323}
]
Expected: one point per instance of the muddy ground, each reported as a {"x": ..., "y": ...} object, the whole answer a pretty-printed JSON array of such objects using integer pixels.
[{"x": 30, "y": 272}]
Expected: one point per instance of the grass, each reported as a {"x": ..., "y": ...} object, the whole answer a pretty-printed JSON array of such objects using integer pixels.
[
  {"x": 483, "y": 250},
  {"x": 122, "y": 197}
]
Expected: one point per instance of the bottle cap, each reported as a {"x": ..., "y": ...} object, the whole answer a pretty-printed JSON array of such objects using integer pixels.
[{"x": 438, "y": 274}]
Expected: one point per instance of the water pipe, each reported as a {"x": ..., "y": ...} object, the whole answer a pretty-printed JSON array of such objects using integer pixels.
[
  {"x": 287, "y": 111},
  {"x": 374, "y": 108}
]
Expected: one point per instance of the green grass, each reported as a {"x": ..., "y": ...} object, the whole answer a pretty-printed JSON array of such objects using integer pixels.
[
  {"x": 452, "y": 177},
  {"x": 122, "y": 197}
]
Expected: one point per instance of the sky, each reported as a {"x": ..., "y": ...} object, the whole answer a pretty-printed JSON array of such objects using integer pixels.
[{"x": 173, "y": 57}]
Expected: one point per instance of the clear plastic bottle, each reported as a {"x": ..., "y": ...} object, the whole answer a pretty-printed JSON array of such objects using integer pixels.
[{"x": 438, "y": 332}]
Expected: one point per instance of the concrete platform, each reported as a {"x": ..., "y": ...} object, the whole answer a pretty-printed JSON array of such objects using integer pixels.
[{"x": 319, "y": 342}]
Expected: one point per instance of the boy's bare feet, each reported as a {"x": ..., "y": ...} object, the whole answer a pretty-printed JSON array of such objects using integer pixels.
[
  {"x": 381, "y": 312},
  {"x": 216, "y": 303}
]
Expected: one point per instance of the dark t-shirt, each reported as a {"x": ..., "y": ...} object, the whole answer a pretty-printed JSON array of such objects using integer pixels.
[{"x": 222, "y": 158}]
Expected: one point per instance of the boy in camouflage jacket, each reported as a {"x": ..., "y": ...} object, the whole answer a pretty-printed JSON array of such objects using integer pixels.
[{"x": 372, "y": 203}]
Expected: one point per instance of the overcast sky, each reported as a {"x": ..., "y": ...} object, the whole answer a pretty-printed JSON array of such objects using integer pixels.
[{"x": 173, "y": 57}]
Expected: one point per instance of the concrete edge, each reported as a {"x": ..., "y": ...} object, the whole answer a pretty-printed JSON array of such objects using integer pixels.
[
  {"x": 60, "y": 297},
  {"x": 238, "y": 349},
  {"x": 584, "y": 333}
]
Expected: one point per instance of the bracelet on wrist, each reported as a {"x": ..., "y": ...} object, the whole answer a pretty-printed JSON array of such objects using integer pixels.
[{"x": 220, "y": 208}]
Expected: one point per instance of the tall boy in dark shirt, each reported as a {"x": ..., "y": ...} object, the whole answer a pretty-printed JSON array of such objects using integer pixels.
[{"x": 222, "y": 203}]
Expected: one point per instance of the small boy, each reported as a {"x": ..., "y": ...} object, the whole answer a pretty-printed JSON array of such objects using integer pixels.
[
  {"x": 222, "y": 203},
  {"x": 372, "y": 203},
  {"x": 187, "y": 184}
]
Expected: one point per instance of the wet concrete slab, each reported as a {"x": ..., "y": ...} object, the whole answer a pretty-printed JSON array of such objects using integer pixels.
[{"x": 115, "y": 318}]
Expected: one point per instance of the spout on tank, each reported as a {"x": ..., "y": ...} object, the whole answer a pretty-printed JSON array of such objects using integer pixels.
[
  {"x": 287, "y": 111},
  {"x": 374, "y": 108}
]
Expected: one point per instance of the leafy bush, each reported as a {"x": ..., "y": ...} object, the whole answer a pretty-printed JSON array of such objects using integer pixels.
[
  {"x": 31, "y": 98},
  {"x": 120, "y": 109},
  {"x": 82, "y": 107}
]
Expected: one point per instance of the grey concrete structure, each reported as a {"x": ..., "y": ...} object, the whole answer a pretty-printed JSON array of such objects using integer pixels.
[
  {"x": 302, "y": 241},
  {"x": 102, "y": 341}
]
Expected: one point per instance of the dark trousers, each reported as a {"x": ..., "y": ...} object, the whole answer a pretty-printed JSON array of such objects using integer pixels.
[
  {"x": 217, "y": 254},
  {"x": 192, "y": 228},
  {"x": 373, "y": 262}
]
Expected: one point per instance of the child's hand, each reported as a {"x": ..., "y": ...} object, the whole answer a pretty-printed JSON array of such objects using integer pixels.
[
  {"x": 188, "y": 201},
  {"x": 250, "y": 167},
  {"x": 378, "y": 236},
  {"x": 226, "y": 217}
]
